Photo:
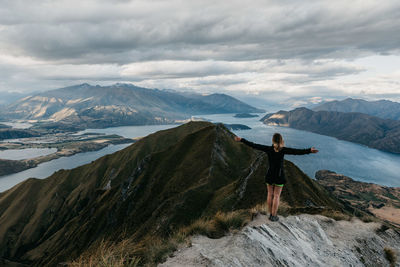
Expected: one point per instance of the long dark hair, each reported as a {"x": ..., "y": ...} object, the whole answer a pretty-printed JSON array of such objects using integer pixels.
[{"x": 277, "y": 141}]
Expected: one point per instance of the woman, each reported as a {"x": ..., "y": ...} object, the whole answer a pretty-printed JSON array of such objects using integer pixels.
[{"x": 275, "y": 178}]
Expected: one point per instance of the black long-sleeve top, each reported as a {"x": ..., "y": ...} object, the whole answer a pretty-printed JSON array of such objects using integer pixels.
[{"x": 275, "y": 173}]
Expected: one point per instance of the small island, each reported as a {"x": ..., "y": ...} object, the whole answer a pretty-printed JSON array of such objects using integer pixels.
[
  {"x": 234, "y": 127},
  {"x": 245, "y": 115}
]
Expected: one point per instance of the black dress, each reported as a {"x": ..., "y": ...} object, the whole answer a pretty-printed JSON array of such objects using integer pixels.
[{"x": 275, "y": 173}]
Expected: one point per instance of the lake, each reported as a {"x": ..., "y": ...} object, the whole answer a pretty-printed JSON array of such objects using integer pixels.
[{"x": 356, "y": 161}]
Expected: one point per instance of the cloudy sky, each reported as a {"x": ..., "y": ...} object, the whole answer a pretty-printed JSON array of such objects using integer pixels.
[{"x": 296, "y": 51}]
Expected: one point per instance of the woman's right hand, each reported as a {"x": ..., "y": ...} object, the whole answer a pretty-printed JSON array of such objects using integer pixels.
[
  {"x": 313, "y": 150},
  {"x": 238, "y": 139}
]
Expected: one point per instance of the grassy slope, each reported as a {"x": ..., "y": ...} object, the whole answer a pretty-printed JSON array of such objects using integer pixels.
[{"x": 160, "y": 184}]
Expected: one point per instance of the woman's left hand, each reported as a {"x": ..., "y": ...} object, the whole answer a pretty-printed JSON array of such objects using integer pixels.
[{"x": 313, "y": 150}]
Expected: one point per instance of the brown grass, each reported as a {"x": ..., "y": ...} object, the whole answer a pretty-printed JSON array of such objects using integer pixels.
[
  {"x": 107, "y": 254},
  {"x": 218, "y": 225},
  {"x": 259, "y": 209},
  {"x": 155, "y": 250},
  {"x": 391, "y": 256}
]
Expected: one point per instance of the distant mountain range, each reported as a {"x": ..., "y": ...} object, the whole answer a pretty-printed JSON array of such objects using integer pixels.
[
  {"x": 383, "y": 108},
  {"x": 145, "y": 193},
  {"x": 360, "y": 128},
  {"x": 97, "y": 106}
]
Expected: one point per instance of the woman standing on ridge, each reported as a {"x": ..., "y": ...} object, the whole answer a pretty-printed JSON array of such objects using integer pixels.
[{"x": 275, "y": 177}]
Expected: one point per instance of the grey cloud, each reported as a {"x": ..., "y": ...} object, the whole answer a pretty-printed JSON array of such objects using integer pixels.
[
  {"x": 181, "y": 30},
  {"x": 89, "y": 41}
]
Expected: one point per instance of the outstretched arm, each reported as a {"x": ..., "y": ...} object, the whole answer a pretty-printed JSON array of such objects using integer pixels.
[
  {"x": 295, "y": 151},
  {"x": 253, "y": 145}
]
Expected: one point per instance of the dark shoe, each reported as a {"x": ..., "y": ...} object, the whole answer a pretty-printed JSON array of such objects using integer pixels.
[
  {"x": 274, "y": 218},
  {"x": 270, "y": 217}
]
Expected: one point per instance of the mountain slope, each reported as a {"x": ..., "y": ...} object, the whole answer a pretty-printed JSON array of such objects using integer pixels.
[
  {"x": 382, "y": 108},
  {"x": 161, "y": 183},
  {"x": 354, "y": 127},
  {"x": 119, "y": 104}
]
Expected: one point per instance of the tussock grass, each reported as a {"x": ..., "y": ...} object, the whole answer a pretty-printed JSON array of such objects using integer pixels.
[
  {"x": 230, "y": 221},
  {"x": 199, "y": 227},
  {"x": 259, "y": 209},
  {"x": 158, "y": 250},
  {"x": 108, "y": 254},
  {"x": 391, "y": 256},
  {"x": 219, "y": 224}
]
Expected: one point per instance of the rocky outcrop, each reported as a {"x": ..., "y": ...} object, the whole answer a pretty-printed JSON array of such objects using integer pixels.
[
  {"x": 304, "y": 240},
  {"x": 234, "y": 127}
]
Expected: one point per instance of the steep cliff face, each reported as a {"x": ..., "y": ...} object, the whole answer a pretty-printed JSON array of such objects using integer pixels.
[{"x": 304, "y": 240}]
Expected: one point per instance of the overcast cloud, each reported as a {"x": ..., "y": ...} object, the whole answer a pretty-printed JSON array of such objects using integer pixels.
[{"x": 269, "y": 49}]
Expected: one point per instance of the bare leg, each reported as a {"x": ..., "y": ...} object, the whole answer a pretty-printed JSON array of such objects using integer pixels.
[
  {"x": 270, "y": 189},
  {"x": 275, "y": 201}
]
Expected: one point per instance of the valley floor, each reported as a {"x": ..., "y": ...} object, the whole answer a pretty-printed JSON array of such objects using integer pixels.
[{"x": 304, "y": 240}]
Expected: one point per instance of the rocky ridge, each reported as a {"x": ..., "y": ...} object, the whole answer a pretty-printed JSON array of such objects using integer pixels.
[{"x": 303, "y": 240}]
